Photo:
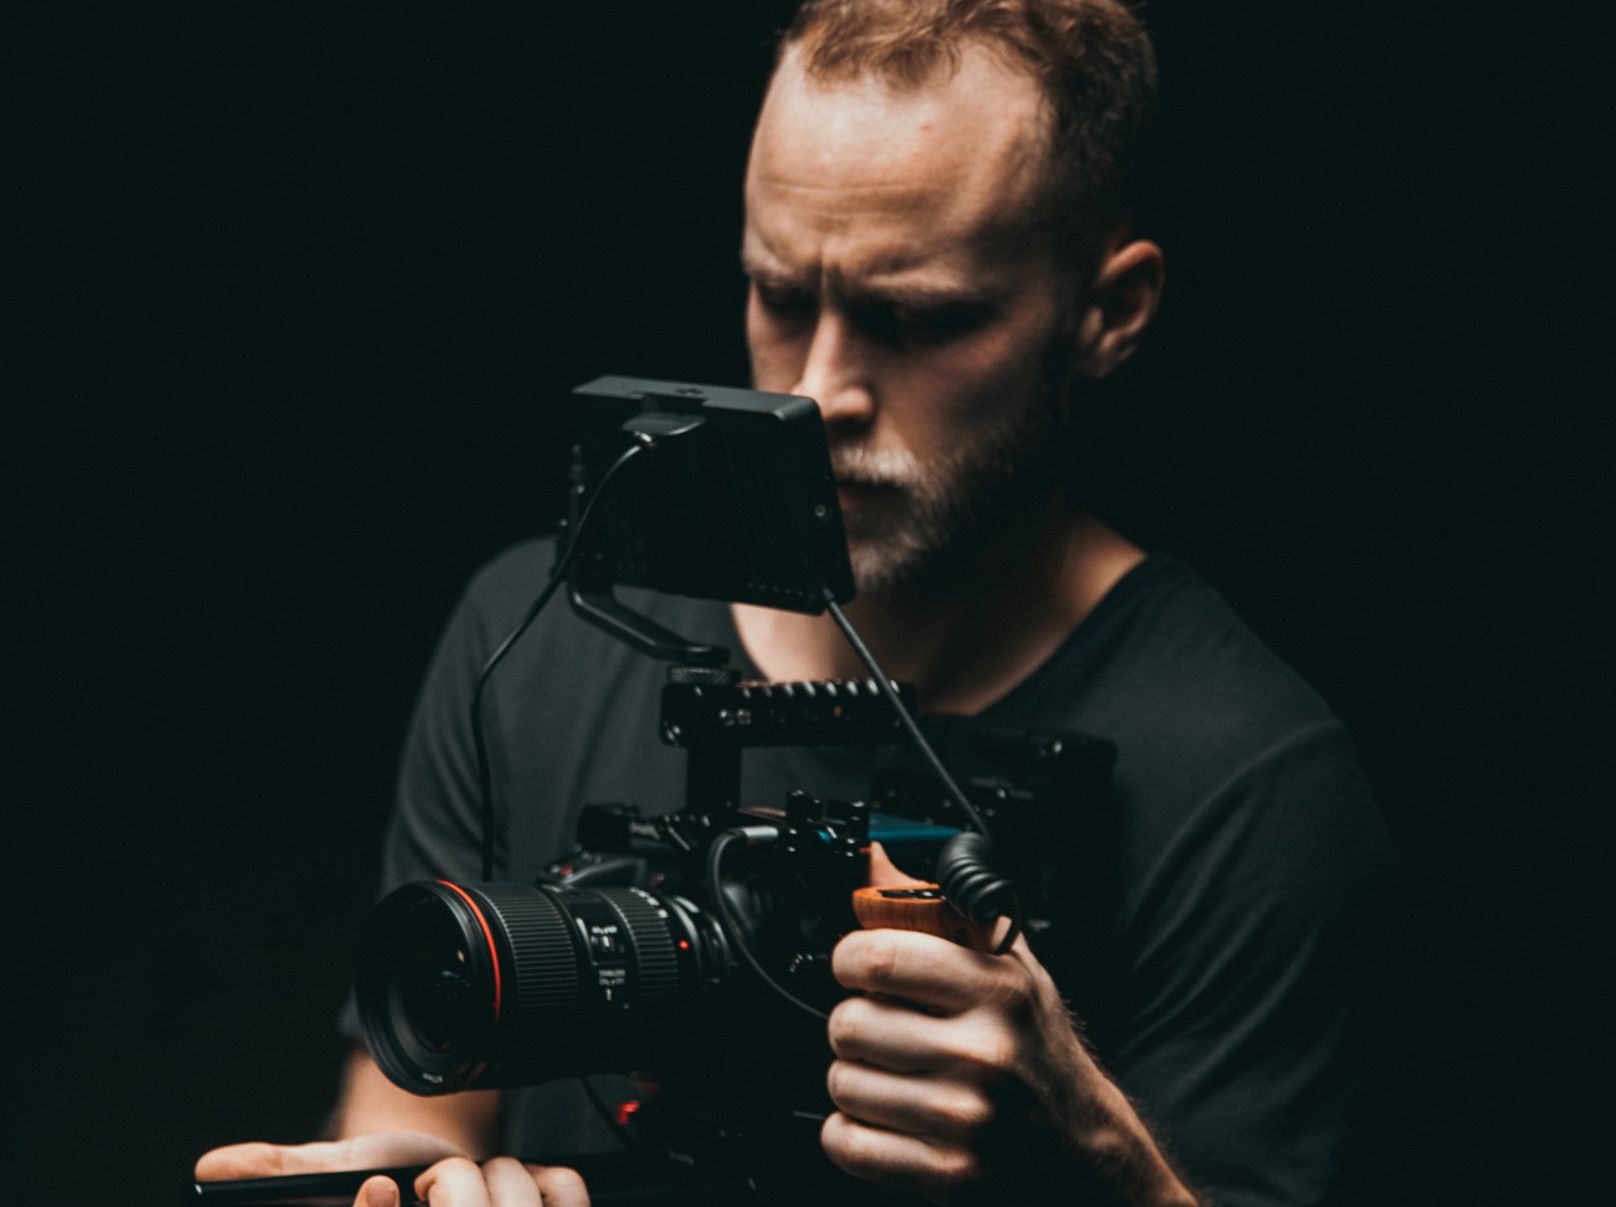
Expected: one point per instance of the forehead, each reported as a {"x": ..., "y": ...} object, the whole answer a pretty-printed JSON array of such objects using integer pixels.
[{"x": 857, "y": 177}]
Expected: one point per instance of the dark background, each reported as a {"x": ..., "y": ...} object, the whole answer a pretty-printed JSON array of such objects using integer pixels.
[{"x": 296, "y": 288}]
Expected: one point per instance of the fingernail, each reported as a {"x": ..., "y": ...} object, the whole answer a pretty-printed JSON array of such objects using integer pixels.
[{"x": 381, "y": 1192}]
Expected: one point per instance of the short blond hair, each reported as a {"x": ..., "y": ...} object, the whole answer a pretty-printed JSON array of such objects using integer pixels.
[{"x": 1092, "y": 59}]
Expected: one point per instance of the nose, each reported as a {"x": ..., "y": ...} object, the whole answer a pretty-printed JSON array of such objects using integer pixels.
[{"x": 836, "y": 375}]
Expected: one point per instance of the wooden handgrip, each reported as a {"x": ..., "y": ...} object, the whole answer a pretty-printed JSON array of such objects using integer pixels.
[{"x": 919, "y": 907}]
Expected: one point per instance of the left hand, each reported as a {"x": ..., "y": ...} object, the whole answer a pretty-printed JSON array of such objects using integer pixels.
[
  {"x": 960, "y": 1075},
  {"x": 452, "y": 1179}
]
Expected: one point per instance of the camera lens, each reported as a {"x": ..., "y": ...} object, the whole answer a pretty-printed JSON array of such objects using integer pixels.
[
  {"x": 435, "y": 988},
  {"x": 462, "y": 987}
]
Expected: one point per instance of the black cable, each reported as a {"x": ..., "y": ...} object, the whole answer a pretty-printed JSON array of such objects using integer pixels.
[
  {"x": 730, "y": 924},
  {"x": 485, "y": 787},
  {"x": 908, "y": 722}
]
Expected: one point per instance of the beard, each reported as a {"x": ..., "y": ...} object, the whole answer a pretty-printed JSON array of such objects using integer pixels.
[{"x": 920, "y": 519}]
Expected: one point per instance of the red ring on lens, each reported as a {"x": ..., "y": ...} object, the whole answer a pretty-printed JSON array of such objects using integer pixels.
[{"x": 488, "y": 934}]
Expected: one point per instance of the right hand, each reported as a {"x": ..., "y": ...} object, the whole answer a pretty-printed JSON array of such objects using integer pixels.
[{"x": 453, "y": 1179}]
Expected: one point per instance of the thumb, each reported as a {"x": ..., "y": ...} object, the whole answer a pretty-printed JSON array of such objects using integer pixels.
[
  {"x": 259, "y": 1160},
  {"x": 886, "y": 874}
]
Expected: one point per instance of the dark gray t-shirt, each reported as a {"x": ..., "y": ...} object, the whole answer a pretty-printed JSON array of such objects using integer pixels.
[{"x": 1247, "y": 856}]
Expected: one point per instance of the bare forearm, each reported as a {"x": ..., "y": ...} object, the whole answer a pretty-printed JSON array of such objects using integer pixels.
[
  {"x": 1115, "y": 1149},
  {"x": 369, "y": 1103}
]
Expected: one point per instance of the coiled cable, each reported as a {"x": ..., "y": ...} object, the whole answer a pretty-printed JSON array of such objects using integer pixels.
[{"x": 968, "y": 879}]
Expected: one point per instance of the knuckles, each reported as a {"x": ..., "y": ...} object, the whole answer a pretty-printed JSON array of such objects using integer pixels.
[
  {"x": 968, "y": 1113},
  {"x": 945, "y": 1170},
  {"x": 848, "y": 1147},
  {"x": 884, "y": 961},
  {"x": 847, "y": 1025},
  {"x": 859, "y": 1150},
  {"x": 1013, "y": 992},
  {"x": 956, "y": 1168},
  {"x": 836, "y": 1082},
  {"x": 452, "y": 1167},
  {"x": 558, "y": 1180},
  {"x": 866, "y": 959},
  {"x": 461, "y": 1175},
  {"x": 952, "y": 1108},
  {"x": 989, "y": 1054},
  {"x": 449, "y": 1172}
]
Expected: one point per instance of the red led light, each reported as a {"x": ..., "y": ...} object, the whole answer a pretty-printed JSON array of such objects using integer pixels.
[{"x": 684, "y": 944}]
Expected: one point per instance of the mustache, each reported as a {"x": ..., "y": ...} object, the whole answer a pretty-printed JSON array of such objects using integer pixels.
[{"x": 860, "y": 465}]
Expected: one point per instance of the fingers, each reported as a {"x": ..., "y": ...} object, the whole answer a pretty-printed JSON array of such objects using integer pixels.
[
  {"x": 560, "y": 1186},
  {"x": 502, "y": 1182},
  {"x": 937, "y": 1170},
  {"x": 891, "y": 1036},
  {"x": 509, "y": 1184},
  {"x": 459, "y": 1182},
  {"x": 930, "y": 972},
  {"x": 937, "y": 1108},
  {"x": 258, "y": 1160}
]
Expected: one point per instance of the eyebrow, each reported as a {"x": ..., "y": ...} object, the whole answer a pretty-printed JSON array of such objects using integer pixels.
[
  {"x": 765, "y": 269},
  {"x": 918, "y": 295}
]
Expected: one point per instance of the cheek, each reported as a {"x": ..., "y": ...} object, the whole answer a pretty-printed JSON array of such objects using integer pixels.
[
  {"x": 1008, "y": 353},
  {"x": 985, "y": 375}
]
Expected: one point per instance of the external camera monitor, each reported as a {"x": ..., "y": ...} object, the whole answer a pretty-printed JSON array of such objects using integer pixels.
[{"x": 734, "y": 498}]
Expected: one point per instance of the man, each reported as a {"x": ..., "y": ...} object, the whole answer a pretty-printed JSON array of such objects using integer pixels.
[{"x": 939, "y": 254}]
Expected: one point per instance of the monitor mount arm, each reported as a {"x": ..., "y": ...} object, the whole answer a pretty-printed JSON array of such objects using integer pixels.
[{"x": 595, "y": 602}]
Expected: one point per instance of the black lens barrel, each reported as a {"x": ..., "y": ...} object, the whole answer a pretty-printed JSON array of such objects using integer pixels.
[{"x": 477, "y": 986}]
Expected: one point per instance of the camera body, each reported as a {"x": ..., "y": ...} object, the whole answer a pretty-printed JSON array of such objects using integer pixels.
[
  {"x": 624, "y": 954},
  {"x": 660, "y": 945}
]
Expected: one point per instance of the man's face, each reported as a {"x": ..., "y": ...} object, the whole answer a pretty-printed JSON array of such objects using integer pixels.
[{"x": 895, "y": 278}]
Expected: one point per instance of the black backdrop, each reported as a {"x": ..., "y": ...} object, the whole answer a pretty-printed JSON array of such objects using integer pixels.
[{"x": 300, "y": 285}]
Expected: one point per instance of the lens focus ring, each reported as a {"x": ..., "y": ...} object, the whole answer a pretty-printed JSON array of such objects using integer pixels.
[{"x": 649, "y": 924}]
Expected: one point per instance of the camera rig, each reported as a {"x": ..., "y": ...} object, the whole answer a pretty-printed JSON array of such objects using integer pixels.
[{"x": 685, "y": 948}]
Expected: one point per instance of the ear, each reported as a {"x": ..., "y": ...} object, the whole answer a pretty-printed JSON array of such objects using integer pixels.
[{"x": 1119, "y": 304}]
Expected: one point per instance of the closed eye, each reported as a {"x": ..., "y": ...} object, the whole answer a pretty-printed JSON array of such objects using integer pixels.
[
  {"x": 923, "y": 325},
  {"x": 778, "y": 296},
  {"x": 783, "y": 300}
]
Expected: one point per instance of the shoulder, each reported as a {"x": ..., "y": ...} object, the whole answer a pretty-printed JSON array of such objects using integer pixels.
[
  {"x": 1188, "y": 692},
  {"x": 1180, "y": 660},
  {"x": 1224, "y": 752},
  {"x": 503, "y": 587}
]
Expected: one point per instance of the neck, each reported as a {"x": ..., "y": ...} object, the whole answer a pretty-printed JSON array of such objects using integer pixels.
[{"x": 967, "y": 640}]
